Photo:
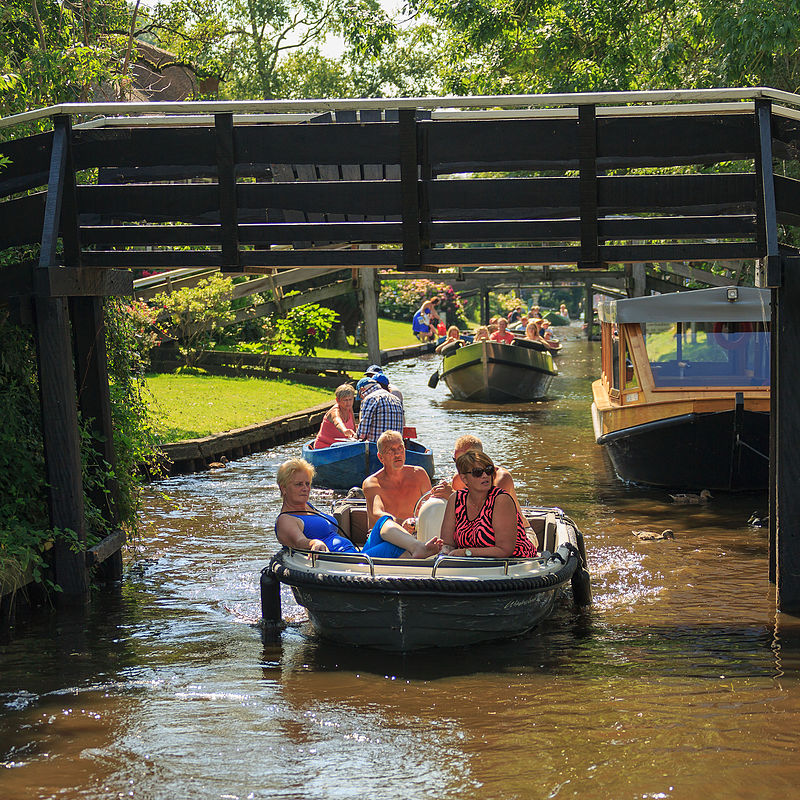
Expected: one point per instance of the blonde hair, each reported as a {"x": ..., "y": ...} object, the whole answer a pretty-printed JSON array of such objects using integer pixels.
[
  {"x": 287, "y": 470},
  {"x": 386, "y": 437},
  {"x": 452, "y": 328},
  {"x": 468, "y": 442},
  {"x": 345, "y": 390}
]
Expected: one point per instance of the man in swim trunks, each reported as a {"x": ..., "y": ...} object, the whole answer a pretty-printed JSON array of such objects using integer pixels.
[{"x": 391, "y": 494}]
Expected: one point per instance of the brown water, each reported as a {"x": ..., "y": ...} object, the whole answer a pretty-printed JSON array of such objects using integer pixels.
[{"x": 680, "y": 682}]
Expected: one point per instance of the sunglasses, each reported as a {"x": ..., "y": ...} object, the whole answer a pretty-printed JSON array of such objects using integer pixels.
[{"x": 476, "y": 472}]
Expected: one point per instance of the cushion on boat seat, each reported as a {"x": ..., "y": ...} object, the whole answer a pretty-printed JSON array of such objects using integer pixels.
[{"x": 549, "y": 534}]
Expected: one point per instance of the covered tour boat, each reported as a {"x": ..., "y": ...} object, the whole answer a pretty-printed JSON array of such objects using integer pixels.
[
  {"x": 491, "y": 372},
  {"x": 407, "y": 604},
  {"x": 683, "y": 399},
  {"x": 345, "y": 464}
]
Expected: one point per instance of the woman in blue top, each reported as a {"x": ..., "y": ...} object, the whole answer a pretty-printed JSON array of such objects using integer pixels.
[{"x": 303, "y": 527}]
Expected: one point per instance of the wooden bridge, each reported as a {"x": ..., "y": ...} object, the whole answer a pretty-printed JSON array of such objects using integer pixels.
[{"x": 541, "y": 184}]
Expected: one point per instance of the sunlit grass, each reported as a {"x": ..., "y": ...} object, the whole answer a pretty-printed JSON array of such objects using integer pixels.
[{"x": 198, "y": 405}]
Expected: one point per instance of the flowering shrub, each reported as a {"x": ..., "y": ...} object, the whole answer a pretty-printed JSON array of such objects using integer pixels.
[
  {"x": 508, "y": 302},
  {"x": 304, "y": 329},
  {"x": 196, "y": 313},
  {"x": 400, "y": 299},
  {"x": 139, "y": 322}
]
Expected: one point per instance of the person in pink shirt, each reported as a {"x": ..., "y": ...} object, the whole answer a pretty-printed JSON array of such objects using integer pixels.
[
  {"x": 338, "y": 422},
  {"x": 501, "y": 334}
]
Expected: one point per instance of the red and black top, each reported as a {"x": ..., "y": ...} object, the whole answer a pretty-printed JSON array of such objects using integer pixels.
[{"x": 478, "y": 532}]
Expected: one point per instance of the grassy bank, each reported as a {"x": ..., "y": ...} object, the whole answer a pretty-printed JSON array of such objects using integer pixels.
[{"x": 198, "y": 405}]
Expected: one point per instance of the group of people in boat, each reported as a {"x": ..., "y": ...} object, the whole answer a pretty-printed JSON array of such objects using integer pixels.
[
  {"x": 381, "y": 410},
  {"x": 499, "y": 330},
  {"x": 474, "y": 513}
]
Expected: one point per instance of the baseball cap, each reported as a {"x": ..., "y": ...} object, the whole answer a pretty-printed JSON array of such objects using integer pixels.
[
  {"x": 374, "y": 369},
  {"x": 364, "y": 382},
  {"x": 381, "y": 380}
]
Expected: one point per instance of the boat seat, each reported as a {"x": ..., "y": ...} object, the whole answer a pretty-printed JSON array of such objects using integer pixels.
[
  {"x": 352, "y": 519},
  {"x": 548, "y": 537}
]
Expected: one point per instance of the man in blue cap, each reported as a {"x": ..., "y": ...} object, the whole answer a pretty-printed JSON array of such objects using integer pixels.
[
  {"x": 375, "y": 371},
  {"x": 380, "y": 410}
]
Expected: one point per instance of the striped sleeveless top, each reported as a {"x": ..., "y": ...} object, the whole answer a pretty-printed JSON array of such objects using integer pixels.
[{"x": 478, "y": 532}]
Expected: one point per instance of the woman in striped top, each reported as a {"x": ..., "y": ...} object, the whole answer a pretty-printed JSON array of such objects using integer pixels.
[{"x": 482, "y": 520}]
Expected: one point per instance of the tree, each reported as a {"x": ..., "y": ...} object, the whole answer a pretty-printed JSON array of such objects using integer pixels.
[
  {"x": 244, "y": 41},
  {"x": 512, "y": 47},
  {"x": 53, "y": 53}
]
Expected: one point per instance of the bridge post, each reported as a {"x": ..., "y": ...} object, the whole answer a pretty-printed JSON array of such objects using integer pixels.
[
  {"x": 369, "y": 307},
  {"x": 60, "y": 433},
  {"x": 786, "y": 411}
]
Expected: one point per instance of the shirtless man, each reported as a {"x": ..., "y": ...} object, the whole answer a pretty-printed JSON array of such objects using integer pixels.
[{"x": 392, "y": 493}]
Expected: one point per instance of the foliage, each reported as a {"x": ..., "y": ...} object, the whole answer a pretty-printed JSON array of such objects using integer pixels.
[
  {"x": 52, "y": 52},
  {"x": 195, "y": 314},
  {"x": 244, "y": 40},
  {"x": 24, "y": 523},
  {"x": 507, "y": 47},
  {"x": 400, "y": 299},
  {"x": 304, "y": 329}
]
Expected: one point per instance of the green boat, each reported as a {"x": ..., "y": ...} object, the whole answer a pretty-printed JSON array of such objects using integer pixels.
[{"x": 490, "y": 372}]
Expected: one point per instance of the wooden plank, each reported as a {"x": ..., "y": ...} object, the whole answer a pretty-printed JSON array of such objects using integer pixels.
[
  {"x": 226, "y": 182},
  {"x": 143, "y": 147},
  {"x": 409, "y": 193},
  {"x": 23, "y": 218},
  {"x": 587, "y": 186},
  {"x": 68, "y": 222},
  {"x": 105, "y": 549},
  {"x": 30, "y": 163},
  {"x": 55, "y": 192},
  {"x": 767, "y": 226}
]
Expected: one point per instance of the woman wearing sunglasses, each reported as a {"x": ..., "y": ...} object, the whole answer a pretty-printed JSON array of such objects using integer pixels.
[{"x": 482, "y": 520}]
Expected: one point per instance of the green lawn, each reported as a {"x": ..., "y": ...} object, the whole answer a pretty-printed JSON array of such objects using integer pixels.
[{"x": 198, "y": 405}]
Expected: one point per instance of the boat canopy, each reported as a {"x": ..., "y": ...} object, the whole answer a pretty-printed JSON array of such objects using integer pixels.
[{"x": 719, "y": 304}]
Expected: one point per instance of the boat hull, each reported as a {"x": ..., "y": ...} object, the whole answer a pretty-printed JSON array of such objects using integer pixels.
[
  {"x": 490, "y": 372},
  {"x": 724, "y": 450},
  {"x": 417, "y": 621},
  {"x": 346, "y": 464}
]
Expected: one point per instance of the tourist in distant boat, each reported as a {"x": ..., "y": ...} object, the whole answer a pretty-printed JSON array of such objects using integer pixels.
[
  {"x": 547, "y": 334},
  {"x": 502, "y": 334},
  {"x": 482, "y": 520},
  {"x": 514, "y": 315},
  {"x": 304, "y": 527},
  {"x": 338, "y": 422},
  {"x": 376, "y": 373},
  {"x": 534, "y": 333},
  {"x": 391, "y": 494},
  {"x": 380, "y": 411},
  {"x": 563, "y": 311},
  {"x": 453, "y": 340},
  {"x": 422, "y": 323},
  {"x": 482, "y": 334}
]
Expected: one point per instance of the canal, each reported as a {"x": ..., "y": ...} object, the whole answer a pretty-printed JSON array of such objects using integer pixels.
[{"x": 680, "y": 681}]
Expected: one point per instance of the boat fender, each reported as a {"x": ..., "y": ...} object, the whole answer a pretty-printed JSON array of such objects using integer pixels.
[
  {"x": 582, "y": 587},
  {"x": 731, "y": 341},
  {"x": 270, "y": 600}
]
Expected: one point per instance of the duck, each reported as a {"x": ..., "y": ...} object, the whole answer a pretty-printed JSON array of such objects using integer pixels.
[
  {"x": 759, "y": 520},
  {"x": 218, "y": 464},
  {"x": 692, "y": 499},
  {"x": 652, "y": 536}
]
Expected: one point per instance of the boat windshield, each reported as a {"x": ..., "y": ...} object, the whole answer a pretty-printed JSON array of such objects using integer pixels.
[{"x": 713, "y": 354}]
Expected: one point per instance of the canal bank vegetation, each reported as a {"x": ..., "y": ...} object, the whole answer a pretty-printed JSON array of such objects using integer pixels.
[{"x": 112, "y": 493}]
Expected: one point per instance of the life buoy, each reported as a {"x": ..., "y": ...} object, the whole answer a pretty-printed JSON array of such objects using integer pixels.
[{"x": 731, "y": 341}]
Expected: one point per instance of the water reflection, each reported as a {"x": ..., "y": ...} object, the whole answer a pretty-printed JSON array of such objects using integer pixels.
[{"x": 677, "y": 682}]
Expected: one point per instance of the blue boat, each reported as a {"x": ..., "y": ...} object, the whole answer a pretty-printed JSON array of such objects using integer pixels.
[{"x": 346, "y": 464}]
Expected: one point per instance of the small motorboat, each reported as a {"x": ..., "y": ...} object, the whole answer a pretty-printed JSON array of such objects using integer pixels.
[
  {"x": 491, "y": 372},
  {"x": 684, "y": 394},
  {"x": 408, "y": 604},
  {"x": 345, "y": 464}
]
